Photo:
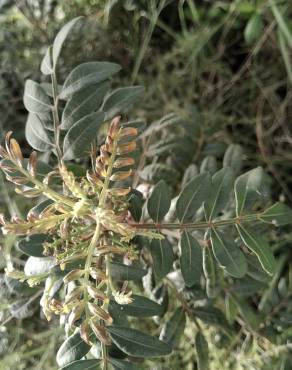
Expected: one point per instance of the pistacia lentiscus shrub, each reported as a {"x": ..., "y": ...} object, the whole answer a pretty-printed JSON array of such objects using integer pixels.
[{"x": 98, "y": 227}]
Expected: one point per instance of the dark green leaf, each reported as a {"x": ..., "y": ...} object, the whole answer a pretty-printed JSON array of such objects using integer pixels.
[
  {"x": 190, "y": 259},
  {"x": 135, "y": 205},
  {"x": 80, "y": 136},
  {"x": 260, "y": 247},
  {"x": 202, "y": 352},
  {"x": 159, "y": 201},
  {"x": 87, "y": 74},
  {"x": 278, "y": 214},
  {"x": 121, "y": 100},
  {"x": 135, "y": 343},
  {"x": 213, "y": 316},
  {"x": 124, "y": 365},
  {"x": 247, "y": 189},
  {"x": 32, "y": 245},
  {"x": 36, "y": 135},
  {"x": 74, "y": 348},
  {"x": 38, "y": 265},
  {"x": 222, "y": 182},
  {"x": 189, "y": 174},
  {"x": 174, "y": 328},
  {"x": 35, "y": 99},
  {"x": 122, "y": 272},
  {"x": 162, "y": 256},
  {"x": 233, "y": 157},
  {"x": 192, "y": 197},
  {"x": 156, "y": 171},
  {"x": 82, "y": 103},
  {"x": 141, "y": 307},
  {"x": 83, "y": 365},
  {"x": 61, "y": 37},
  {"x": 228, "y": 255}
]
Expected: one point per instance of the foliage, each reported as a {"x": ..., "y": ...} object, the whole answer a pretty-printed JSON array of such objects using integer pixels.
[{"x": 89, "y": 239}]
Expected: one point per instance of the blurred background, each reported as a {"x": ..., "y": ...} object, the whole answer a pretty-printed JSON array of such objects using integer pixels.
[{"x": 227, "y": 62}]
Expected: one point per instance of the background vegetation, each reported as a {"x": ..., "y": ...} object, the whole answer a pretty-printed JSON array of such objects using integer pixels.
[{"x": 225, "y": 64}]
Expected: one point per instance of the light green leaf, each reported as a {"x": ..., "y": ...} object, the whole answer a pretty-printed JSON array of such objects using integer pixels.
[
  {"x": 83, "y": 365},
  {"x": 123, "y": 272},
  {"x": 35, "y": 99},
  {"x": 233, "y": 158},
  {"x": 174, "y": 328},
  {"x": 192, "y": 197},
  {"x": 247, "y": 189},
  {"x": 141, "y": 307},
  {"x": 135, "y": 343},
  {"x": 37, "y": 137},
  {"x": 61, "y": 37},
  {"x": 32, "y": 245},
  {"x": 38, "y": 265},
  {"x": 82, "y": 103},
  {"x": 202, "y": 352},
  {"x": 121, "y": 100},
  {"x": 278, "y": 214},
  {"x": 162, "y": 256},
  {"x": 80, "y": 136},
  {"x": 87, "y": 74},
  {"x": 190, "y": 259},
  {"x": 260, "y": 247},
  {"x": 158, "y": 203},
  {"x": 47, "y": 62},
  {"x": 222, "y": 182},
  {"x": 22, "y": 309},
  {"x": 228, "y": 255},
  {"x": 74, "y": 348}
]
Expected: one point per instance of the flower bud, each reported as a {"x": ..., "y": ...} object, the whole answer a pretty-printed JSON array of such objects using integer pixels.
[
  {"x": 124, "y": 162},
  {"x": 100, "y": 312},
  {"x": 101, "y": 333},
  {"x": 121, "y": 175},
  {"x": 126, "y": 148},
  {"x": 84, "y": 333},
  {"x": 73, "y": 275},
  {"x": 95, "y": 293}
]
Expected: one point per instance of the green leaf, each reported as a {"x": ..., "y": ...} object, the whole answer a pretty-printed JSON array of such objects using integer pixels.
[
  {"x": 260, "y": 247},
  {"x": 32, "y": 245},
  {"x": 190, "y": 259},
  {"x": 209, "y": 272},
  {"x": 37, "y": 137},
  {"x": 247, "y": 189},
  {"x": 278, "y": 214},
  {"x": 141, "y": 307},
  {"x": 233, "y": 157},
  {"x": 61, "y": 37},
  {"x": 87, "y": 74},
  {"x": 189, "y": 173},
  {"x": 78, "y": 139},
  {"x": 222, "y": 182},
  {"x": 209, "y": 164},
  {"x": 174, "y": 328},
  {"x": 158, "y": 203},
  {"x": 135, "y": 343},
  {"x": 162, "y": 256},
  {"x": 135, "y": 205},
  {"x": 192, "y": 197},
  {"x": 35, "y": 98},
  {"x": 83, "y": 365},
  {"x": 82, "y": 103},
  {"x": 38, "y": 265},
  {"x": 47, "y": 62},
  {"x": 74, "y": 348},
  {"x": 122, "y": 272},
  {"x": 202, "y": 352},
  {"x": 228, "y": 255},
  {"x": 212, "y": 316},
  {"x": 253, "y": 28},
  {"x": 124, "y": 365},
  {"x": 121, "y": 100}
]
